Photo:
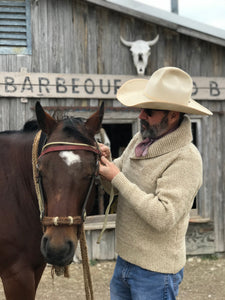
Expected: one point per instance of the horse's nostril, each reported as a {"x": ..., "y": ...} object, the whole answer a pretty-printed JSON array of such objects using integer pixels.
[
  {"x": 71, "y": 247},
  {"x": 44, "y": 241},
  {"x": 44, "y": 245}
]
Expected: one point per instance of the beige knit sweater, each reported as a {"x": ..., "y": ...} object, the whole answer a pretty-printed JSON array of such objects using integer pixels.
[{"x": 156, "y": 193}]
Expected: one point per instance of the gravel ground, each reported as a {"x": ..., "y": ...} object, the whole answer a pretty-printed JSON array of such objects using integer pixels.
[{"x": 204, "y": 278}]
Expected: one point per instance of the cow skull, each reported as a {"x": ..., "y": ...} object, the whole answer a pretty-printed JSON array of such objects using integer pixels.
[{"x": 140, "y": 50}]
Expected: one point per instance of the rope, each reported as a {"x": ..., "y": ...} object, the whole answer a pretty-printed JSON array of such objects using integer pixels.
[
  {"x": 106, "y": 215},
  {"x": 35, "y": 174},
  {"x": 86, "y": 268}
]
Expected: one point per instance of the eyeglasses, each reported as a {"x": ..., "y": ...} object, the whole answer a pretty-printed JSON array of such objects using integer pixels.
[{"x": 150, "y": 112}]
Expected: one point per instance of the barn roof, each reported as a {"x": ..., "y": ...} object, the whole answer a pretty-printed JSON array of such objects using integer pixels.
[{"x": 170, "y": 20}]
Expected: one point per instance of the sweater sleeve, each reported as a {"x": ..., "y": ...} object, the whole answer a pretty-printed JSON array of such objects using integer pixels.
[
  {"x": 118, "y": 162},
  {"x": 173, "y": 197}
]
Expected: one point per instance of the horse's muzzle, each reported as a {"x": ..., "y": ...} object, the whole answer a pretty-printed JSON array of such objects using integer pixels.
[{"x": 58, "y": 255}]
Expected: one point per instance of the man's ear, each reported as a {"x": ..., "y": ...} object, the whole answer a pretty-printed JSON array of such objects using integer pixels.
[
  {"x": 173, "y": 117},
  {"x": 174, "y": 114}
]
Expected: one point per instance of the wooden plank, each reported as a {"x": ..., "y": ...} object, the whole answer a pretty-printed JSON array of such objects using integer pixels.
[
  {"x": 13, "y": 23},
  {"x": 96, "y": 222},
  {"x": 60, "y": 85},
  {"x": 13, "y": 43},
  {"x": 13, "y": 17},
  {"x": 199, "y": 220},
  {"x": 100, "y": 218},
  {"x": 12, "y": 29},
  {"x": 54, "y": 85},
  {"x": 12, "y": 3},
  {"x": 106, "y": 248},
  {"x": 16, "y": 36}
]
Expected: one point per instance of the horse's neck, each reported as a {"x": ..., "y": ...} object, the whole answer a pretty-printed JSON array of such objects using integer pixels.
[
  {"x": 16, "y": 178},
  {"x": 16, "y": 158}
]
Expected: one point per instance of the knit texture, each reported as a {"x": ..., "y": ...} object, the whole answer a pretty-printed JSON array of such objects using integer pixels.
[{"x": 156, "y": 193}]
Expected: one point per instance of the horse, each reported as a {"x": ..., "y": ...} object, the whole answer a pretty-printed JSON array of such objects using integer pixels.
[{"x": 64, "y": 170}]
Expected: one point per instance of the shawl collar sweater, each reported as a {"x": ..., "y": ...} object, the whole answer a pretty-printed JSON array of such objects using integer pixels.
[{"x": 155, "y": 196}]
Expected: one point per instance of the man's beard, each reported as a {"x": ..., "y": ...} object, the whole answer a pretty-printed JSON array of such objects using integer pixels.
[{"x": 153, "y": 131}]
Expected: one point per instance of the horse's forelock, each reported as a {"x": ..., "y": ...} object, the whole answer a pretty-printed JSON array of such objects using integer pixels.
[{"x": 76, "y": 127}]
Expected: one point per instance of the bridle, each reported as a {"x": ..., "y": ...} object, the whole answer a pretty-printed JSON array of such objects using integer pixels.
[
  {"x": 56, "y": 147},
  {"x": 38, "y": 150}
]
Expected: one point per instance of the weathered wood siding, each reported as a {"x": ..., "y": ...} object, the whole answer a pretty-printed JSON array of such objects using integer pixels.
[
  {"x": 200, "y": 238},
  {"x": 213, "y": 153},
  {"x": 73, "y": 36}
]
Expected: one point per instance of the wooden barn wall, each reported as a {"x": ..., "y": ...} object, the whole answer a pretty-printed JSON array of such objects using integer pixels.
[
  {"x": 72, "y": 36},
  {"x": 213, "y": 153}
]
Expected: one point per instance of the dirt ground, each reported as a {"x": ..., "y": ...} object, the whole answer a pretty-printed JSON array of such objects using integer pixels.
[{"x": 204, "y": 278}]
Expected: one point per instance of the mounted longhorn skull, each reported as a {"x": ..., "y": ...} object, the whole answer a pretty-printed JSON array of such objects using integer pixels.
[{"x": 140, "y": 50}]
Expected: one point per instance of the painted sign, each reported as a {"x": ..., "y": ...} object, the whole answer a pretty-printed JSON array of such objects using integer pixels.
[{"x": 52, "y": 85}]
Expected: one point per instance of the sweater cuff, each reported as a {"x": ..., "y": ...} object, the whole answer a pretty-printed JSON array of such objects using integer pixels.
[{"x": 121, "y": 183}]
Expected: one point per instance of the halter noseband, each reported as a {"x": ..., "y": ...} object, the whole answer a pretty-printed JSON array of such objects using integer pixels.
[{"x": 65, "y": 146}]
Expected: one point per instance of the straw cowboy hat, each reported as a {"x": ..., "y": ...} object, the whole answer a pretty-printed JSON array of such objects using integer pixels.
[{"x": 168, "y": 88}]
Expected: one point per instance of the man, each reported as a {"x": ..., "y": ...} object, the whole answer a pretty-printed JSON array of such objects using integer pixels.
[{"x": 157, "y": 178}]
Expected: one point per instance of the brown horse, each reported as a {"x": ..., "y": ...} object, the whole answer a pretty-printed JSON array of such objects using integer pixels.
[{"x": 65, "y": 172}]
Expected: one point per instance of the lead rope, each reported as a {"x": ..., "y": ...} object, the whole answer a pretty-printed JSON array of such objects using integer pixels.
[
  {"x": 86, "y": 269},
  {"x": 35, "y": 175},
  {"x": 111, "y": 198},
  {"x": 83, "y": 243}
]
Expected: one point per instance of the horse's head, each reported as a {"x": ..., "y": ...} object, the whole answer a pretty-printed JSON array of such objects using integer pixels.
[{"x": 67, "y": 171}]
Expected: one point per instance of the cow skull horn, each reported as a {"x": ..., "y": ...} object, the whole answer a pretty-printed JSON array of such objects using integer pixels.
[
  {"x": 126, "y": 43},
  {"x": 153, "y": 42},
  {"x": 140, "y": 51}
]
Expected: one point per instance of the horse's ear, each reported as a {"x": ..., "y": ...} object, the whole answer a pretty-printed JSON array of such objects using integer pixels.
[
  {"x": 45, "y": 121},
  {"x": 94, "y": 122}
]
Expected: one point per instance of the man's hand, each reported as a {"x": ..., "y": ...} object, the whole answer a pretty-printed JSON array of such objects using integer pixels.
[
  {"x": 107, "y": 169},
  {"x": 104, "y": 150}
]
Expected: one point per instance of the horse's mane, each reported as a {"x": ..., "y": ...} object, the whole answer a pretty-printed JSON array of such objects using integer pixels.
[
  {"x": 71, "y": 126},
  {"x": 29, "y": 126}
]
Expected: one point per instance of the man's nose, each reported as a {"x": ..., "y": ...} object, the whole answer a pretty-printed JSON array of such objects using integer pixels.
[{"x": 143, "y": 115}]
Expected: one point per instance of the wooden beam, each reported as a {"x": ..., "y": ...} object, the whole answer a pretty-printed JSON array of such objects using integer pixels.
[{"x": 89, "y": 86}]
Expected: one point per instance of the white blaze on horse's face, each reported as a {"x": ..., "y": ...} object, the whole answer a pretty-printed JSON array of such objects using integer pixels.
[
  {"x": 140, "y": 51},
  {"x": 69, "y": 157}
]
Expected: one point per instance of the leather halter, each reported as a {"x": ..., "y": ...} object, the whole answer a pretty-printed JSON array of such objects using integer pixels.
[{"x": 65, "y": 146}]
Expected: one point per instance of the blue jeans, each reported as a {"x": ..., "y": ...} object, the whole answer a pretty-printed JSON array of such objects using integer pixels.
[{"x": 130, "y": 282}]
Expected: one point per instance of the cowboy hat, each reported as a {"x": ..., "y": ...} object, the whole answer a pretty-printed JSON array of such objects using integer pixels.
[{"x": 169, "y": 88}]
